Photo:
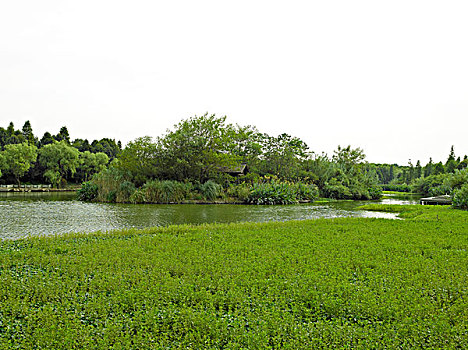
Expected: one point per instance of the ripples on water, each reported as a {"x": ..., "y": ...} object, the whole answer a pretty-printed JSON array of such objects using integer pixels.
[{"x": 48, "y": 214}]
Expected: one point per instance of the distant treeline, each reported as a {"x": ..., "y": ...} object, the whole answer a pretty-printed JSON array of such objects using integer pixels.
[
  {"x": 53, "y": 158},
  {"x": 433, "y": 179},
  {"x": 207, "y": 158},
  {"x": 393, "y": 174},
  {"x": 199, "y": 158}
]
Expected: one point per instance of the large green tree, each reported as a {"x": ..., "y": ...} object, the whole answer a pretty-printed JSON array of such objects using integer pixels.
[
  {"x": 91, "y": 163},
  {"x": 198, "y": 148},
  {"x": 141, "y": 160},
  {"x": 59, "y": 161},
  {"x": 18, "y": 158}
]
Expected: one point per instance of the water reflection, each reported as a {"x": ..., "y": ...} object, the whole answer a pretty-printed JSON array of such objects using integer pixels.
[{"x": 55, "y": 213}]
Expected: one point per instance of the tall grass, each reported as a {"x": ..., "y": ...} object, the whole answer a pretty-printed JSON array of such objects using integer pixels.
[
  {"x": 210, "y": 190},
  {"x": 165, "y": 191}
]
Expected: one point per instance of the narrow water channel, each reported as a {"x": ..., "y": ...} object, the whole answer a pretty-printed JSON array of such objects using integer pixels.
[{"x": 24, "y": 214}]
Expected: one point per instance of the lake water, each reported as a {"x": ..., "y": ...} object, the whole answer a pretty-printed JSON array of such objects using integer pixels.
[{"x": 24, "y": 214}]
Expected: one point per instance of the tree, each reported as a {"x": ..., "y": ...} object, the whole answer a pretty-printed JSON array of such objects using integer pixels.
[
  {"x": 91, "y": 163},
  {"x": 28, "y": 133},
  {"x": 198, "y": 148},
  {"x": 451, "y": 155},
  {"x": 59, "y": 160},
  {"x": 439, "y": 169},
  {"x": 429, "y": 168},
  {"x": 107, "y": 146},
  {"x": 46, "y": 139},
  {"x": 282, "y": 155},
  {"x": 2, "y": 163},
  {"x": 141, "y": 160},
  {"x": 349, "y": 159},
  {"x": 18, "y": 159},
  {"x": 418, "y": 170},
  {"x": 81, "y": 145},
  {"x": 63, "y": 135}
]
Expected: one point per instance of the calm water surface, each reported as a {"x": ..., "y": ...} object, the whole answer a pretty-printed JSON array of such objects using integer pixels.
[{"x": 24, "y": 214}]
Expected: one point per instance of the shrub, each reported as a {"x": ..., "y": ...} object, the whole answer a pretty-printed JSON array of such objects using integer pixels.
[
  {"x": 396, "y": 187},
  {"x": 164, "y": 191},
  {"x": 126, "y": 190},
  {"x": 460, "y": 197},
  {"x": 272, "y": 193},
  {"x": 210, "y": 190},
  {"x": 241, "y": 192},
  {"x": 375, "y": 192},
  {"x": 431, "y": 185},
  {"x": 108, "y": 183},
  {"x": 336, "y": 190},
  {"x": 88, "y": 192},
  {"x": 305, "y": 191},
  {"x": 138, "y": 197}
]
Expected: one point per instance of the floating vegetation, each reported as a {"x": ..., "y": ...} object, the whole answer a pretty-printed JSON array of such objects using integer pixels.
[{"x": 340, "y": 283}]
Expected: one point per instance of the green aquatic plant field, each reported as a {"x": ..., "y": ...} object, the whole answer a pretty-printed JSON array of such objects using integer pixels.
[{"x": 343, "y": 283}]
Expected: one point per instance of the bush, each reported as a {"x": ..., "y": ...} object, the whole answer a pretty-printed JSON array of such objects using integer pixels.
[
  {"x": 336, "y": 190},
  {"x": 431, "y": 185},
  {"x": 126, "y": 190},
  {"x": 108, "y": 183},
  {"x": 272, "y": 193},
  {"x": 164, "y": 191},
  {"x": 138, "y": 197},
  {"x": 88, "y": 192},
  {"x": 210, "y": 190},
  {"x": 375, "y": 192},
  {"x": 396, "y": 187},
  {"x": 241, "y": 192},
  {"x": 460, "y": 197},
  {"x": 305, "y": 191}
]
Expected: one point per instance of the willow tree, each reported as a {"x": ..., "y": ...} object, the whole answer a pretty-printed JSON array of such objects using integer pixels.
[
  {"x": 59, "y": 160},
  {"x": 18, "y": 159}
]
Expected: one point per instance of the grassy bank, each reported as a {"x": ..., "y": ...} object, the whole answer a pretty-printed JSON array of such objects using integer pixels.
[{"x": 351, "y": 282}]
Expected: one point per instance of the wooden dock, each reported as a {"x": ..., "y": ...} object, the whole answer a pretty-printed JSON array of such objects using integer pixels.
[
  {"x": 437, "y": 200},
  {"x": 25, "y": 188}
]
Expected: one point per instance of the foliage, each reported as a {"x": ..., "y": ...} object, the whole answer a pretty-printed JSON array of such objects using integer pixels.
[
  {"x": 87, "y": 192},
  {"x": 92, "y": 163},
  {"x": 18, "y": 158},
  {"x": 341, "y": 283},
  {"x": 165, "y": 191},
  {"x": 272, "y": 193},
  {"x": 239, "y": 191},
  {"x": 460, "y": 197},
  {"x": 397, "y": 187},
  {"x": 59, "y": 160},
  {"x": 336, "y": 190},
  {"x": 440, "y": 184},
  {"x": 108, "y": 183},
  {"x": 198, "y": 148},
  {"x": 125, "y": 192},
  {"x": 210, "y": 190},
  {"x": 138, "y": 196},
  {"x": 305, "y": 192},
  {"x": 141, "y": 159}
]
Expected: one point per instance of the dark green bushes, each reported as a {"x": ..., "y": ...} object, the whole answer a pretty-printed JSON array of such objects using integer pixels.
[
  {"x": 210, "y": 190},
  {"x": 164, "y": 191},
  {"x": 88, "y": 192},
  {"x": 354, "y": 190},
  {"x": 272, "y": 193},
  {"x": 397, "y": 187},
  {"x": 460, "y": 197},
  {"x": 281, "y": 193},
  {"x": 435, "y": 185}
]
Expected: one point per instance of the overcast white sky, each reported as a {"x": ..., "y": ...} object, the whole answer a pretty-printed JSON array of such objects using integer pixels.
[{"x": 388, "y": 76}]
